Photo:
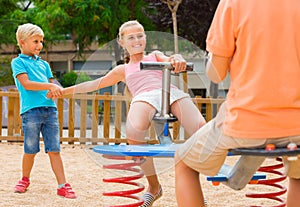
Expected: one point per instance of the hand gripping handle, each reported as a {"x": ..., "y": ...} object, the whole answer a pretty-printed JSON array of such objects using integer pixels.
[{"x": 161, "y": 65}]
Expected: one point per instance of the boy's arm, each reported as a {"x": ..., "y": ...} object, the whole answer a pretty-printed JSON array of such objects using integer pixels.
[
  {"x": 217, "y": 67},
  {"x": 113, "y": 77},
  {"x": 177, "y": 61},
  {"x": 37, "y": 86}
]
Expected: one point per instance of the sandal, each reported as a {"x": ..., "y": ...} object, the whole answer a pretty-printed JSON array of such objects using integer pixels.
[{"x": 149, "y": 198}]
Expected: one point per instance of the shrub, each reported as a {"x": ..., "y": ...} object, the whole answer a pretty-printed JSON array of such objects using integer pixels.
[{"x": 6, "y": 77}]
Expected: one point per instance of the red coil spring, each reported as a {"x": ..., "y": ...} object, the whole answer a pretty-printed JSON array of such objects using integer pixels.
[
  {"x": 274, "y": 182},
  {"x": 137, "y": 161}
]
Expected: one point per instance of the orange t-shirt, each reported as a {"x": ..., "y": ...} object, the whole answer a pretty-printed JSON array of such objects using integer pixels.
[{"x": 263, "y": 39}]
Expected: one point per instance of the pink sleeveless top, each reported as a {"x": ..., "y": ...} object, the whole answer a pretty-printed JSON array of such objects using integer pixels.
[{"x": 139, "y": 81}]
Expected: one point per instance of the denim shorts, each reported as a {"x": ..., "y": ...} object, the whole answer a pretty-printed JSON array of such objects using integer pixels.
[{"x": 41, "y": 121}]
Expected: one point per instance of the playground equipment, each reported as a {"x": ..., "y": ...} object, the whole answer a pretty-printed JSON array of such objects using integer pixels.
[
  {"x": 250, "y": 161},
  {"x": 137, "y": 154},
  {"x": 236, "y": 177}
]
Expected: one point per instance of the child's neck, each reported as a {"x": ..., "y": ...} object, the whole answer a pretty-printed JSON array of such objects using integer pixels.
[
  {"x": 136, "y": 58},
  {"x": 31, "y": 55}
]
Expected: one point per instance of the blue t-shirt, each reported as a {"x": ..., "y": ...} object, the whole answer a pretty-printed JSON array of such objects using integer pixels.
[{"x": 37, "y": 70}]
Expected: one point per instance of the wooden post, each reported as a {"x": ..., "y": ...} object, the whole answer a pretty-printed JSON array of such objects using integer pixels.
[
  {"x": 83, "y": 113},
  {"x": 60, "y": 109},
  {"x": 95, "y": 117},
  {"x": 71, "y": 117},
  {"x": 118, "y": 120},
  {"x": 10, "y": 118},
  {"x": 106, "y": 119}
]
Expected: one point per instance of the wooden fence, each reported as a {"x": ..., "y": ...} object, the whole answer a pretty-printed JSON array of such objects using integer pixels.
[{"x": 105, "y": 125}]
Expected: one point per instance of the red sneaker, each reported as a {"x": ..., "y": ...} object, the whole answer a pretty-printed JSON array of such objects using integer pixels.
[
  {"x": 22, "y": 186},
  {"x": 66, "y": 191}
]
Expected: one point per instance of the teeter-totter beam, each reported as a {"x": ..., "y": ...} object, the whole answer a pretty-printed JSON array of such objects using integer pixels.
[
  {"x": 244, "y": 170},
  {"x": 239, "y": 175}
]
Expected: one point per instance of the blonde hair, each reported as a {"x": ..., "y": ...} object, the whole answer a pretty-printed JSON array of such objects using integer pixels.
[
  {"x": 121, "y": 34},
  {"x": 27, "y": 30}
]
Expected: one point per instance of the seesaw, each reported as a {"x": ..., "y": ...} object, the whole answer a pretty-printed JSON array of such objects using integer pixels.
[
  {"x": 249, "y": 163},
  {"x": 236, "y": 177},
  {"x": 245, "y": 170}
]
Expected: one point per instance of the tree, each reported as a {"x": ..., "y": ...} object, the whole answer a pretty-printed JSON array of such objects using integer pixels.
[
  {"x": 193, "y": 18},
  {"x": 6, "y": 77},
  {"x": 85, "y": 21},
  {"x": 7, "y": 24}
]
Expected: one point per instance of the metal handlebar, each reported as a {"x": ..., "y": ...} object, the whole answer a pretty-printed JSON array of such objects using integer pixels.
[
  {"x": 162, "y": 119},
  {"x": 161, "y": 65},
  {"x": 166, "y": 68}
]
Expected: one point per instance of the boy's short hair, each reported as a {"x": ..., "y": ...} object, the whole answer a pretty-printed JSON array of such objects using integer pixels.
[{"x": 27, "y": 30}]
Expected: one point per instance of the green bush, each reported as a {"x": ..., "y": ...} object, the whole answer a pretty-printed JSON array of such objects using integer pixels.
[
  {"x": 6, "y": 77},
  {"x": 83, "y": 77},
  {"x": 71, "y": 78}
]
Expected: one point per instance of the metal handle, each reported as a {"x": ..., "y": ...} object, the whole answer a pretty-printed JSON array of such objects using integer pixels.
[{"x": 161, "y": 65}]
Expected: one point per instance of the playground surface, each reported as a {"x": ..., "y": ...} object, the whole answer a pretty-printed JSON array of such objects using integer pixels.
[{"x": 84, "y": 171}]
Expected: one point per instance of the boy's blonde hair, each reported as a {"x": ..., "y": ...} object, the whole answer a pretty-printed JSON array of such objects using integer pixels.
[{"x": 27, "y": 30}]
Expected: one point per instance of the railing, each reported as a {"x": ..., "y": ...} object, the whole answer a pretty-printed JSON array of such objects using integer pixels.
[{"x": 79, "y": 118}]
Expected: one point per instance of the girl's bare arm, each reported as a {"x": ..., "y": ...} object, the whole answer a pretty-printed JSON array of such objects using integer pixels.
[{"x": 113, "y": 77}]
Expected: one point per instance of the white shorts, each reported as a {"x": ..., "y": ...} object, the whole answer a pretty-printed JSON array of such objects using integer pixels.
[
  {"x": 206, "y": 150},
  {"x": 154, "y": 97}
]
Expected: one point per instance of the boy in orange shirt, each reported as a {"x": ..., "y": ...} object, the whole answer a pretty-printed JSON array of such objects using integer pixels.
[{"x": 258, "y": 44}]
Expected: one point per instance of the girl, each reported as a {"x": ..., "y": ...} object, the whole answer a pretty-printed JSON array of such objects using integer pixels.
[{"x": 145, "y": 87}]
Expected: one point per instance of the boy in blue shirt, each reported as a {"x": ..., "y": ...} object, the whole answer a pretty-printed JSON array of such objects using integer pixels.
[{"x": 33, "y": 78}]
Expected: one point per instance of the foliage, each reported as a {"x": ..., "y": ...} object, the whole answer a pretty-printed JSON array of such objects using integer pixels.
[
  {"x": 85, "y": 21},
  {"x": 8, "y": 24},
  {"x": 83, "y": 77},
  {"x": 72, "y": 78},
  {"x": 193, "y": 18},
  {"x": 6, "y": 77},
  {"x": 91, "y": 20},
  {"x": 82, "y": 21},
  {"x": 69, "y": 79}
]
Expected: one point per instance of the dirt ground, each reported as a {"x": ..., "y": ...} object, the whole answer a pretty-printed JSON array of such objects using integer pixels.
[{"x": 84, "y": 171}]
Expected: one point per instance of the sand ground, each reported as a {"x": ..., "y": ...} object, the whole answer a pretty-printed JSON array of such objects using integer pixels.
[{"x": 84, "y": 171}]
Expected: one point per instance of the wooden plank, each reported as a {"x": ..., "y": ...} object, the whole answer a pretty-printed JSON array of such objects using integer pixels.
[
  {"x": 83, "y": 113},
  {"x": 10, "y": 118},
  {"x": 71, "y": 118},
  {"x": 18, "y": 117},
  {"x": 60, "y": 109},
  {"x": 95, "y": 118},
  {"x": 106, "y": 118},
  {"x": 118, "y": 119}
]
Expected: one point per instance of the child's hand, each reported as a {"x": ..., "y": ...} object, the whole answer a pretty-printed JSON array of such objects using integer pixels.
[
  {"x": 49, "y": 94},
  {"x": 178, "y": 62},
  {"x": 55, "y": 91}
]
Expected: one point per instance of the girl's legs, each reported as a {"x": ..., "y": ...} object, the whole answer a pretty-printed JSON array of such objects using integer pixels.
[
  {"x": 139, "y": 119},
  {"x": 188, "y": 115}
]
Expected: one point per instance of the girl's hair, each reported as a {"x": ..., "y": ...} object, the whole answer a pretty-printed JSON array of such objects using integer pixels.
[
  {"x": 121, "y": 34},
  {"x": 27, "y": 30}
]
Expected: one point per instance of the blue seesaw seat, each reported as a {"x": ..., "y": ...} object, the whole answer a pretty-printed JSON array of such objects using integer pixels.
[{"x": 159, "y": 150}]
